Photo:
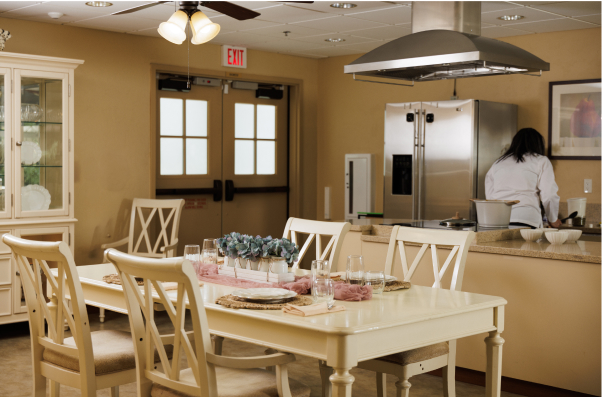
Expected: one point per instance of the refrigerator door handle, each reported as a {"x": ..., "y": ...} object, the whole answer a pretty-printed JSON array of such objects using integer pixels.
[
  {"x": 415, "y": 165},
  {"x": 422, "y": 128}
]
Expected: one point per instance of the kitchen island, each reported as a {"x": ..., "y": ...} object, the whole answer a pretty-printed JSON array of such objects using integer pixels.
[{"x": 553, "y": 292}]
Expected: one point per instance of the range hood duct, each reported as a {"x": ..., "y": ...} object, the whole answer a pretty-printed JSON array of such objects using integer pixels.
[{"x": 445, "y": 44}]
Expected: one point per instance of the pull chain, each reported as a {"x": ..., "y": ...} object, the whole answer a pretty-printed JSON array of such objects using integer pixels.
[{"x": 188, "y": 43}]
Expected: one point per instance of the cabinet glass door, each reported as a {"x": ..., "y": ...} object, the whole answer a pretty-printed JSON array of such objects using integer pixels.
[
  {"x": 41, "y": 148},
  {"x": 5, "y": 143}
]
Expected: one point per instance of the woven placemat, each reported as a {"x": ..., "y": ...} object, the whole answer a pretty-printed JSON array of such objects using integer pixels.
[
  {"x": 234, "y": 302},
  {"x": 114, "y": 279},
  {"x": 395, "y": 285}
]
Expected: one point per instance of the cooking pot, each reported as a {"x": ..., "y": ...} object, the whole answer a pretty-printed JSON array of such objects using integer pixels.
[{"x": 494, "y": 213}]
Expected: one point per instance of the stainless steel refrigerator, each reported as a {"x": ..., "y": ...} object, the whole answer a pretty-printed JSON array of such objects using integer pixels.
[{"x": 438, "y": 153}]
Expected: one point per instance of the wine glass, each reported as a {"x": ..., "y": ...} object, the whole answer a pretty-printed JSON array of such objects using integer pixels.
[
  {"x": 320, "y": 269},
  {"x": 322, "y": 290},
  {"x": 376, "y": 279},
  {"x": 209, "y": 254},
  {"x": 355, "y": 269}
]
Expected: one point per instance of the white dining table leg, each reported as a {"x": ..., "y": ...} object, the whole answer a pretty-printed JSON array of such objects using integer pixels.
[
  {"x": 341, "y": 381},
  {"x": 342, "y": 356},
  {"x": 494, "y": 342},
  {"x": 101, "y": 315}
]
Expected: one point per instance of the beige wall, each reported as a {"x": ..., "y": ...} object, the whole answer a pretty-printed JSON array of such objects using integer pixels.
[
  {"x": 112, "y": 115},
  {"x": 351, "y": 114}
]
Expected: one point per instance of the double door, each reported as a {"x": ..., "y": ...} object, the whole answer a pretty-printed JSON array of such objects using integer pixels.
[{"x": 225, "y": 151}]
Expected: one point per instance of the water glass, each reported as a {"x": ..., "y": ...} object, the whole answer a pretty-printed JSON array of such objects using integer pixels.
[
  {"x": 208, "y": 243},
  {"x": 193, "y": 254},
  {"x": 209, "y": 255},
  {"x": 355, "y": 270},
  {"x": 376, "y": 279},
  {"x": 320, "y": 269},
  {"x": 322, "y": 290}
]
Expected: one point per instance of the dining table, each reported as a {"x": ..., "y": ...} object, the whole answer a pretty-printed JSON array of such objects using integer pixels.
[{"x": 389, "y": 323}]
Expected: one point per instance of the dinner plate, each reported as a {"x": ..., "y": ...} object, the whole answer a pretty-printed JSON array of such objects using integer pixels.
[
  {"x": 30, "y": 153},
  {"x": 388, "y": 279},
  {"x": 34, "y": 198},
  {"x": 264, "y": 293}
]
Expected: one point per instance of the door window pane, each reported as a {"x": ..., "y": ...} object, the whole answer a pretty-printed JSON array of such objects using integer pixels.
[
  {"x": 244, "y": 120},
  {"x": 266, "y": 157},
  {"x": 171, "y": 116},
  {"x": 196, "y": 118},
  {"x": 172, "y": 158},
  {"x": 196, "y": 156},
  {"x": 244, "y": 157},
  {"x": 266, "y": 122}
]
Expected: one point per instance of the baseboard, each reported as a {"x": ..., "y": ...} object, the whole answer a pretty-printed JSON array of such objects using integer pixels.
[{"x": 511, "y": 385}]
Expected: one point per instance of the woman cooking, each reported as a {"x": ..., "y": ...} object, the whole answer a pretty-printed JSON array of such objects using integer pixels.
[{"x": 523, "y": 173}]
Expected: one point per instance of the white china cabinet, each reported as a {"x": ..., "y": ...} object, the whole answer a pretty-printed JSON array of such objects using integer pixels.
[{"x": 36, "y": 161}]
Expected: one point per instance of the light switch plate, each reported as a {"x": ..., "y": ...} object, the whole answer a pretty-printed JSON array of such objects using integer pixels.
[{"x": 587, "y": 185}]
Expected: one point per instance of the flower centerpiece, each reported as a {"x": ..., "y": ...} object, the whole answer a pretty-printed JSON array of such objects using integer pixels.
[{"x": 247, "y": 250}]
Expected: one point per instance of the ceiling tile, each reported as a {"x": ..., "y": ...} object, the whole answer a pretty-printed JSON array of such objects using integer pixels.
[
  {"x": 340, "y": 24},
  {"x": 361, "y": 6},
  {"x": 232, "y": 24},
  {"x": 321, "y": 39},
  {"x": 286, "y": 14},
  {"x": 283, "y": 46},
  {"x": 116, "y": 24},
  {"x": 296, "y": 31},
  {"x": 152, "y": 32},
  {"x": 241, "y": 39},
  {"x": 391, "y": 16},
  {"x": 530, "y": 15},
  {"x": 383, "y": 33},
  {"x": 14, "y": 5},
  {"x": 332, "y": 52},
  {"x": 553, "y": 26},
  {"x": 498, "y": 31},
  {"x": 492, "y": 6},
  {"x": 572, "y": 8},
  {"x": 535, "y": 3},
  {"x": 255, "y": 5},
  {"x": 591, "y": 18}
]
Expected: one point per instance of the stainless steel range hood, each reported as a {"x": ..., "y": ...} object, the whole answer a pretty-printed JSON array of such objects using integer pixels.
[{"x": 445, "y": 44}]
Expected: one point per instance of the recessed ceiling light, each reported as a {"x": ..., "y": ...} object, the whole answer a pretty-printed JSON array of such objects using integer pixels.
[
  {"x": 343, "y": 5},
  {"x": 510, "y": 17},
  {"x": 99, "y": 4},
  {"x": 332, "y": 40}
]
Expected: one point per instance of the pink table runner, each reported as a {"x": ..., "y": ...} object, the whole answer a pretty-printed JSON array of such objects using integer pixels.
[{"x": 301, "y": 285}]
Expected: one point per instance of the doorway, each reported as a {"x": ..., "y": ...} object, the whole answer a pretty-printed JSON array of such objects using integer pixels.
[{"x": 223, "y": 146}]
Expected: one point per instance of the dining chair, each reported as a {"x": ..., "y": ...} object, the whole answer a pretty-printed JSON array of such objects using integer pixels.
[
  {"x": 316, "y": 230},
  {"x": 87, "y": 360},
  {"x": 208, "y": 374},
  {"x": 440, "y": 355}
]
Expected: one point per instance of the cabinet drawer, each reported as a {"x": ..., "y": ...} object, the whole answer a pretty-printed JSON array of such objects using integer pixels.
[
  {"x": 5, "y": 271},
  {"x": 5, "y": 304},
  {"x": 4, "y": 249}
]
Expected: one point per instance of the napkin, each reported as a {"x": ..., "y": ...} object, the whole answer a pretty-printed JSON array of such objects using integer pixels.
[
  {"x": 174, "y": 286},
  {"x": 312, "y": 310}
]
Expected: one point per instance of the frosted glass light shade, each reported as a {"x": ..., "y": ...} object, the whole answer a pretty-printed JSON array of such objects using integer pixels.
[
  {"x": 203, "y": 29},
  {"x": 174, "y": 29}
]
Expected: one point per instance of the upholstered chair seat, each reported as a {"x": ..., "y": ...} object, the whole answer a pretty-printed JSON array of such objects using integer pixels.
[
  {"x": 418, "y": 355},
  {"x": 232, "y": 382},
  {"x": 113, "y": 352}
]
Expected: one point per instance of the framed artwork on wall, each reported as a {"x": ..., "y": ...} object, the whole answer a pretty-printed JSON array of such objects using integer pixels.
[{"x": 574, "y": 120}]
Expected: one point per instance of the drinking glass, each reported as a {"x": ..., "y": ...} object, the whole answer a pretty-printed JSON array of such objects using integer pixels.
[
  {"x": 355, "y": 269},
  {"x": 208, "y": 243},
  {"x": 193, "y": 254},
  {"x": 209, "y": 255},
  {"x": 322, "y": 290},
  {"x": 376, "y": 279},
  {"x": 320, "y": 269}
]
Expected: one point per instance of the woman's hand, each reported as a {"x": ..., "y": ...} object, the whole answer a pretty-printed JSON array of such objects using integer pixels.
[{"x": 555, "y": 224}]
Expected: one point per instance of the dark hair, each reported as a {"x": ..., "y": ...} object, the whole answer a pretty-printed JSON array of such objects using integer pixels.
[{"x": 526, "y": 141}]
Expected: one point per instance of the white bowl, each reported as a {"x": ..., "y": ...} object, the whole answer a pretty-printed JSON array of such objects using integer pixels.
[
  {"x": 557, "y": 237},
  {"x": 544, "y": 230},
  {"x": 573, "y": 235},
  {"x": 531, "y": 234}
]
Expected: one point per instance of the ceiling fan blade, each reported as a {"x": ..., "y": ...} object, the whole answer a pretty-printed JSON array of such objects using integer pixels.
[
  {"x": 138, "y": 8},
  {"x": 231, "y": 9}
]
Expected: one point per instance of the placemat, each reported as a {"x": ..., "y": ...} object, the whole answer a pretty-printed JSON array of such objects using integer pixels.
[
  {"x": 395, "y": 285},
  {"x": 234, "y": 302},
  {"x": 114, "y": 279}
]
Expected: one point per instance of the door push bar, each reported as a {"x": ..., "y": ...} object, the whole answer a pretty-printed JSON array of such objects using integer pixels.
[
  {"x": 216, "y": 191},
  {"x": 230, "y": 190}
]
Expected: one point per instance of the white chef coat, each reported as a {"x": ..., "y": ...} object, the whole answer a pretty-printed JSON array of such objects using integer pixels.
[{"x": 528, "y": 182}]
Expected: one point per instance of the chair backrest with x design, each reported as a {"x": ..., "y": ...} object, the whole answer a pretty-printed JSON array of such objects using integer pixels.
[
  {"x": 32, "y": 259},
  {"x": 316, "y": 230},
  {"x": 459, "y": 241},
  {"x": 144, "y": 212},
  {"x": 195, "y": 345}
]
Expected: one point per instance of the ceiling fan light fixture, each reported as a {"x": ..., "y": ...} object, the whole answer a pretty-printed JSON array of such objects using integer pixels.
[
  {"x": 174, "y": 30},
  {"x": 203, "y": 30}
]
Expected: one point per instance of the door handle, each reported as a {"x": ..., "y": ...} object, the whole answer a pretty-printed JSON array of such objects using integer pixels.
[
  {"x": 216, "y": 191},
  {"x": 18, "y": 143},
  {"x": 230, "y": 190}
]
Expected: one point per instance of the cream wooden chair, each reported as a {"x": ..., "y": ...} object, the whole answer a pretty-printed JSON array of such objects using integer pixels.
[
  {"x": 88, "y": 360},
  {"x": 316, "y": 230},
  {"x": 145, "y": 210},
  {"x": 441, "y": 355},
  {"x": 207, "y": 373}
]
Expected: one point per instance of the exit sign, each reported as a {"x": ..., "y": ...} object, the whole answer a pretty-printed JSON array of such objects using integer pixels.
[{"x": 234, "y": 57}]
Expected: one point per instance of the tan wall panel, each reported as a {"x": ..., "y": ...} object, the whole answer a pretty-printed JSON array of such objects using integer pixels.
[
  {"x": 112, "y": 116},
  {"x": 351, "y": 116}
]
